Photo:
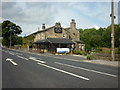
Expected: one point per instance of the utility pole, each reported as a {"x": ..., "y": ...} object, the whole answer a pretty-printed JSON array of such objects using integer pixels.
[{"x": 112, "y": 32}]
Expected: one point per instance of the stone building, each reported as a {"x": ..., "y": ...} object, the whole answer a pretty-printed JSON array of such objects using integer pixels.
[{"x": 49, "y": 39}]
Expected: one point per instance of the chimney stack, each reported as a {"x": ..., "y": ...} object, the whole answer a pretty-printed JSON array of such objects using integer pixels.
[
  {"x": 43, "y": 26},
  {"x": 73, "y": 24},
  {"x": 38, "y": 29},
  {"x": 58, "y": 24}
]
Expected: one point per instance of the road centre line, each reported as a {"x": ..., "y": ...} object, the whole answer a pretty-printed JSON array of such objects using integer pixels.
[
  {"x": 49, "y": 56},
  {"x": 18, "y": 53},
  {"x": 22, "y": 57},
  {"x": 60, "y": 58},
  {"x": 11, "y": 53},
  {"x": 8, "y": 52},
  {"x": 66, "y": 72},
  {"x": 86, "y": 69},
  {"x": 34, "y": 59}
]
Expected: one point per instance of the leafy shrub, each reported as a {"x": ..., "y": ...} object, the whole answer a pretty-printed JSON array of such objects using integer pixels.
[
  {"x": 89, "y": 57},
  {"x": 117, "y": 50},
  {"x": 98, "y": 50},
  {"x": 79, "y": 52},
  {"x": 103, "y": 50}
]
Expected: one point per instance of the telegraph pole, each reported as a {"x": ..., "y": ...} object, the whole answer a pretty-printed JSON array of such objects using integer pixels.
[{"x": 112, "y": 32}]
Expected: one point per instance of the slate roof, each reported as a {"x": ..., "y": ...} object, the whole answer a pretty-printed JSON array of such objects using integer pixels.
[
  {"x": 41, "y": 31},
  {"x": 40, "y": 41},
  {"x": 45, "y": 30},
  {"x": 80, "y": 42},
  {"x": 55, "y": 40}
]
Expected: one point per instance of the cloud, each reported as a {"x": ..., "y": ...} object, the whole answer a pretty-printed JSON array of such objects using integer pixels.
[
  {"x": 119, "y": 12},
  {"x": 28, "y": 12},
  {"x": 94, "y": 26},
  {"x": 11, "y": 11},
  {"x": 58, "y": 0},
  {"x": 31, "y": 15},
  {"x": 97, "y": 11}
]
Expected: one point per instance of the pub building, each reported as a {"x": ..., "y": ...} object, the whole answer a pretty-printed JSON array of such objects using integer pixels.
[{"x": 52, "y": 38}]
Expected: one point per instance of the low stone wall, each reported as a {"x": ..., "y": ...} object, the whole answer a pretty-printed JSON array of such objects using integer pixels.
[{"x": 106, "y": 56}]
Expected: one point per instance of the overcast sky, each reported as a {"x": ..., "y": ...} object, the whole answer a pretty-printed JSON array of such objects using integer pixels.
[{"x": 31, "y": 15}]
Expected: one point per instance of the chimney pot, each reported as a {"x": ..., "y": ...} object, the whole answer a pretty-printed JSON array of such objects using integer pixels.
[
  {"x": 43, "y": 26},
  {"x": 38, "y": 29}
]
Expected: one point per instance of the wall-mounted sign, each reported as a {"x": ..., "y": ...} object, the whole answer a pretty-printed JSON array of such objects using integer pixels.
[
  {"x": 63, "y": 50},
  {"x": 58, "y": 30}
]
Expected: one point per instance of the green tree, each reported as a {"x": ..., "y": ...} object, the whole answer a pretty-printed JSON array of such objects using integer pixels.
[
  {"x": 0, "y": 33},
  {"x": 99, "y": 38},
  {"x": 0, "y": 29},
  {"x": 10, "y": 30},
  {"x": 91, "y": 38},
  {"x": 106, "y": 37},
  {"x": 117, "y": 35}
]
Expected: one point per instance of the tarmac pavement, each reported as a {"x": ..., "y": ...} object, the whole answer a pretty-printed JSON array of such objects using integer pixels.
[{"x": 80, "y": 58}]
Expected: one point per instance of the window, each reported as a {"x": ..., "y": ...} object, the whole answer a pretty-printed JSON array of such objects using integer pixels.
[
  {"x": 63, "y": 35},
  {"x": 73, "y": 33}
]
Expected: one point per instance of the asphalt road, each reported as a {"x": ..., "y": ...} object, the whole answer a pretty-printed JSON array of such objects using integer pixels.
[{"x": 27, "y": 70}]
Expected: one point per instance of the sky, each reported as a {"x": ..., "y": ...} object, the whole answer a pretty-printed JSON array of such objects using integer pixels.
[{"x": 31, "y": 15}]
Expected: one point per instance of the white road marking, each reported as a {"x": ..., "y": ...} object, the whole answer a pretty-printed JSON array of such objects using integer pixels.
[
  {"x": 34, "y": 59},
  {"x": 18, "y": 53},
  {"x": 60, "y": 70},
  {"x": 86, "y": 69},
  {"x": 22, "y": 57},
  {"x": 8, "y": 59},
  {"x": 61, "y": 58},
  {"x": 50, "y": 56},
  {"x": 11, "y": 53}
]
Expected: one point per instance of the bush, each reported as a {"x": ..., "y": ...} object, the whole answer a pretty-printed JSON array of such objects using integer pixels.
[
  {"x": 79, "y": 52},
  {"x": 107, "y": 50},
  {"x": 89, "y": 57},
  {"x": 98, "y": 50},
  {"x": 103, "y": 50},
  {"x": 117, "y": 50}
]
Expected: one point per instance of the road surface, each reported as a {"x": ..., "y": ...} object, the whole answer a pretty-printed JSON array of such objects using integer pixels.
[{"x": 28, "y": 70}]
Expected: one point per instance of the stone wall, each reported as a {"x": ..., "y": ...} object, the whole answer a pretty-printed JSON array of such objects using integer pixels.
[
  {"x": 69, "y": 33},
  {"x": 106, "y": 56}
]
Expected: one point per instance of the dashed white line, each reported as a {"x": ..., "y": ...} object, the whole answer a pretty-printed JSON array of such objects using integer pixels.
[
  {"x": 34, "y": 59},
  {"x": 11, "y": 53},
  {"x": 18, "y": 53},
  {"x": 22, "y": 57},
  {"x": 60, "y": 70},
  {"x": 86, "y": 69},
  {"x": 61, "y": 58}
]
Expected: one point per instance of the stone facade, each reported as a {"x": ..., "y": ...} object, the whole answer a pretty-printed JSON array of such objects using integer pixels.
[
  {"x": 57, "y": 31},
  {"x": 70, "y": 33}
]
